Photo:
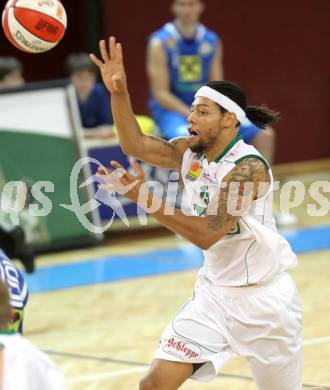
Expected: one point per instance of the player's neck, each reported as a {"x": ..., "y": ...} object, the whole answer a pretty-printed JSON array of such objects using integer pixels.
[
  {"x": 219, "y": 146},
  {"x": 187, "y": 30}
]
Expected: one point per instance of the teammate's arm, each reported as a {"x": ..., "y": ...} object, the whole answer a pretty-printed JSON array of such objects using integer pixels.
[
  {"x": 240, "y": 187},
  {"x": 133, "y": 142},
  {"x": 159, "y": 79},
  {"x": 216, "y": 68}
]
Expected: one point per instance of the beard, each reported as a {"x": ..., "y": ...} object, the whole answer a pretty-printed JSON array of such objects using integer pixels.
[{"x": 199, "y": 147}]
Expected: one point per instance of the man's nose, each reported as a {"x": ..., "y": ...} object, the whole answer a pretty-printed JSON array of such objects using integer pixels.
[{"x": 191, "y": 117}]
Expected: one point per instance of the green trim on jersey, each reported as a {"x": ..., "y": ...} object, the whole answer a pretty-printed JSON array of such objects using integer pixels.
[
  {"x": 253, "y": 156},
  {"x": 235, "y": 229},
  {"x": 227, "y": 148},
  {"x": 7, "y": 332}
]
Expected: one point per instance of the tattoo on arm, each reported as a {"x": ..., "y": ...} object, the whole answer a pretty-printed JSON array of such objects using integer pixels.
[
  {"x": 162, "y": 141},
  {"x": 239, "y": 188}
]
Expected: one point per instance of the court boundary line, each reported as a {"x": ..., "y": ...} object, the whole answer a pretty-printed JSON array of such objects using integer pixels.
[
  {"x": 140, "y": 367},
  {"x": 116, "y": 374},
  {"x": 306, "y": 343},
  {"x": 316, "y": 341},
  {"x": 95, "y": 358}
]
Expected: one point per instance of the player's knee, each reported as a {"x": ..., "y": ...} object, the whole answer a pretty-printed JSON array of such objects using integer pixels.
[
  {"x": 147, "y": 383},
  {"x": 151, "y": 382}
]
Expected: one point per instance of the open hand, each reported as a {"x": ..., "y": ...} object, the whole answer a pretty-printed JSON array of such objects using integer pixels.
[
  {"x": 121, "y": 181},
  {"x": 112, "y": 67}
]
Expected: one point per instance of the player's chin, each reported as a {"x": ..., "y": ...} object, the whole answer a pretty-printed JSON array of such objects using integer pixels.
[{"x": 195, "y": 144}]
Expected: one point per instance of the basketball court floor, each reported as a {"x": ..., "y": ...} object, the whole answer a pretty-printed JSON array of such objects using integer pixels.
[{"x": 99, "y": 312}]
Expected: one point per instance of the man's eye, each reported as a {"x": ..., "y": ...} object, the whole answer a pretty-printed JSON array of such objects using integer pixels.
[{"x": 203, "y": 112}]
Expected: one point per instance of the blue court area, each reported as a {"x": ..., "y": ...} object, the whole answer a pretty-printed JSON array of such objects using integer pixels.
[{"x": 183, "y": 257}]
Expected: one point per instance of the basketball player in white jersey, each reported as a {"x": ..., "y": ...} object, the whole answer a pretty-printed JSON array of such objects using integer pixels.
[
  {"x": 244, "y": 303},
  {"x": 22, "y": 365}
]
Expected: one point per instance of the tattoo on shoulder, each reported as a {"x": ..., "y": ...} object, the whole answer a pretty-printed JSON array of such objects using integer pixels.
[
  {"x": 237, "y": 192},
  {"x": 250, "y": 169}
]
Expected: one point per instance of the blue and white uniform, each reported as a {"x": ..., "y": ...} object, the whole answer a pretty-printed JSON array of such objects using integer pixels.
[
  {"x": 18, "y": 290},
  {"x": 189, "y": 63}
]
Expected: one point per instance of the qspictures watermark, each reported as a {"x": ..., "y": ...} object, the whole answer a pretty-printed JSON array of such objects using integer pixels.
[{"x": 17, "y": 196}]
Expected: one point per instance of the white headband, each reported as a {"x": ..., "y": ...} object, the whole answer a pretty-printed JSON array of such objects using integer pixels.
[{"x": 222, "y": 100}]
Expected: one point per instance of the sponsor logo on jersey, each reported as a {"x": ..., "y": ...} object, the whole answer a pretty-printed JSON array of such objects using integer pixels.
[
  {"x": 190, "y": 68},
  {"x": 205, "y": 49},
  {"x": 232, "y": 153},
  {"x": 181, "y": 348},
  {"x": 195, "y": 171},
  {"x": 171, "y": 42}
]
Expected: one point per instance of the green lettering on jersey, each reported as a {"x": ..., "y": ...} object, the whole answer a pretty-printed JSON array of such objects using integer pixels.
[
  {"x": 204, "y": 194},
  {"x": 201, "y": 211}
]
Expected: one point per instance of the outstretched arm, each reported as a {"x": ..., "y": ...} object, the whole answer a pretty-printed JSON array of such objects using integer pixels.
[
  {"x": 152, "y": 150},
  {"x": 240, "y": 187}
]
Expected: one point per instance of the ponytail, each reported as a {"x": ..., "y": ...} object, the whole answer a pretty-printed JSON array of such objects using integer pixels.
[{"x": 261, "y": 116}]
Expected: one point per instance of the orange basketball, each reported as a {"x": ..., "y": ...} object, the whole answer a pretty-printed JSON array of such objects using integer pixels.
[{"x": 34, "y": 26}]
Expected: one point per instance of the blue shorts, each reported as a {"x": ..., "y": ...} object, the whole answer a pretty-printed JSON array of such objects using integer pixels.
[{"x": 172, "y": 124}]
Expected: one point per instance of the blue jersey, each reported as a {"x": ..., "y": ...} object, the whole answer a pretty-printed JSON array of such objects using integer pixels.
[
  {"x": 17, "y": 287},
  {"x": 95, "y": 111},
  {"x": 188, "y": 60}
]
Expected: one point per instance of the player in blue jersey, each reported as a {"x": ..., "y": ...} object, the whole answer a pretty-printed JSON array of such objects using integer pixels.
[
  {"x": 182, "y": 56},
  {"x": 18, "y": 290}
]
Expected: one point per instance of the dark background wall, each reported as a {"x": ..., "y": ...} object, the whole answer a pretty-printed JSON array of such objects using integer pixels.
[{"x": 277, "y": 51}]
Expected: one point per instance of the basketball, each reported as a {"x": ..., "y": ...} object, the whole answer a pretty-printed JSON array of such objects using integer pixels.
[{"x": 34, "y": 26}]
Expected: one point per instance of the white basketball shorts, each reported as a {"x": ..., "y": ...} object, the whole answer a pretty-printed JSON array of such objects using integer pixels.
[{"x": 261, "y": 323}]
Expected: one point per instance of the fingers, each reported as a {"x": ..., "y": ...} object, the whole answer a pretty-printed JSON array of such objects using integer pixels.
[
  {"x": 103, "y": 51},
  {"x": 101, "y": 171},
  {"x": 137, "y": 168},
  {"x": 119, "y": 52},
  {"x": 126, "y": 175},
  {"x": 112, "y": 47},
  {"x": 115, "y": 52},
  {"x": 96, "y": 61},
  {"x": 116, "y": 164}
]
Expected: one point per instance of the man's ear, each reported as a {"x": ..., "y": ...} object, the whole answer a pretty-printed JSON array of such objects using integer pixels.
[{"x": 229, "y": 120}]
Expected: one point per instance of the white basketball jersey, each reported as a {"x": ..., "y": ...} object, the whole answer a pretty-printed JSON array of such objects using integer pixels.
[
  {"x": 253, "y": 251},
  {"x": 26, "y": 367}
]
